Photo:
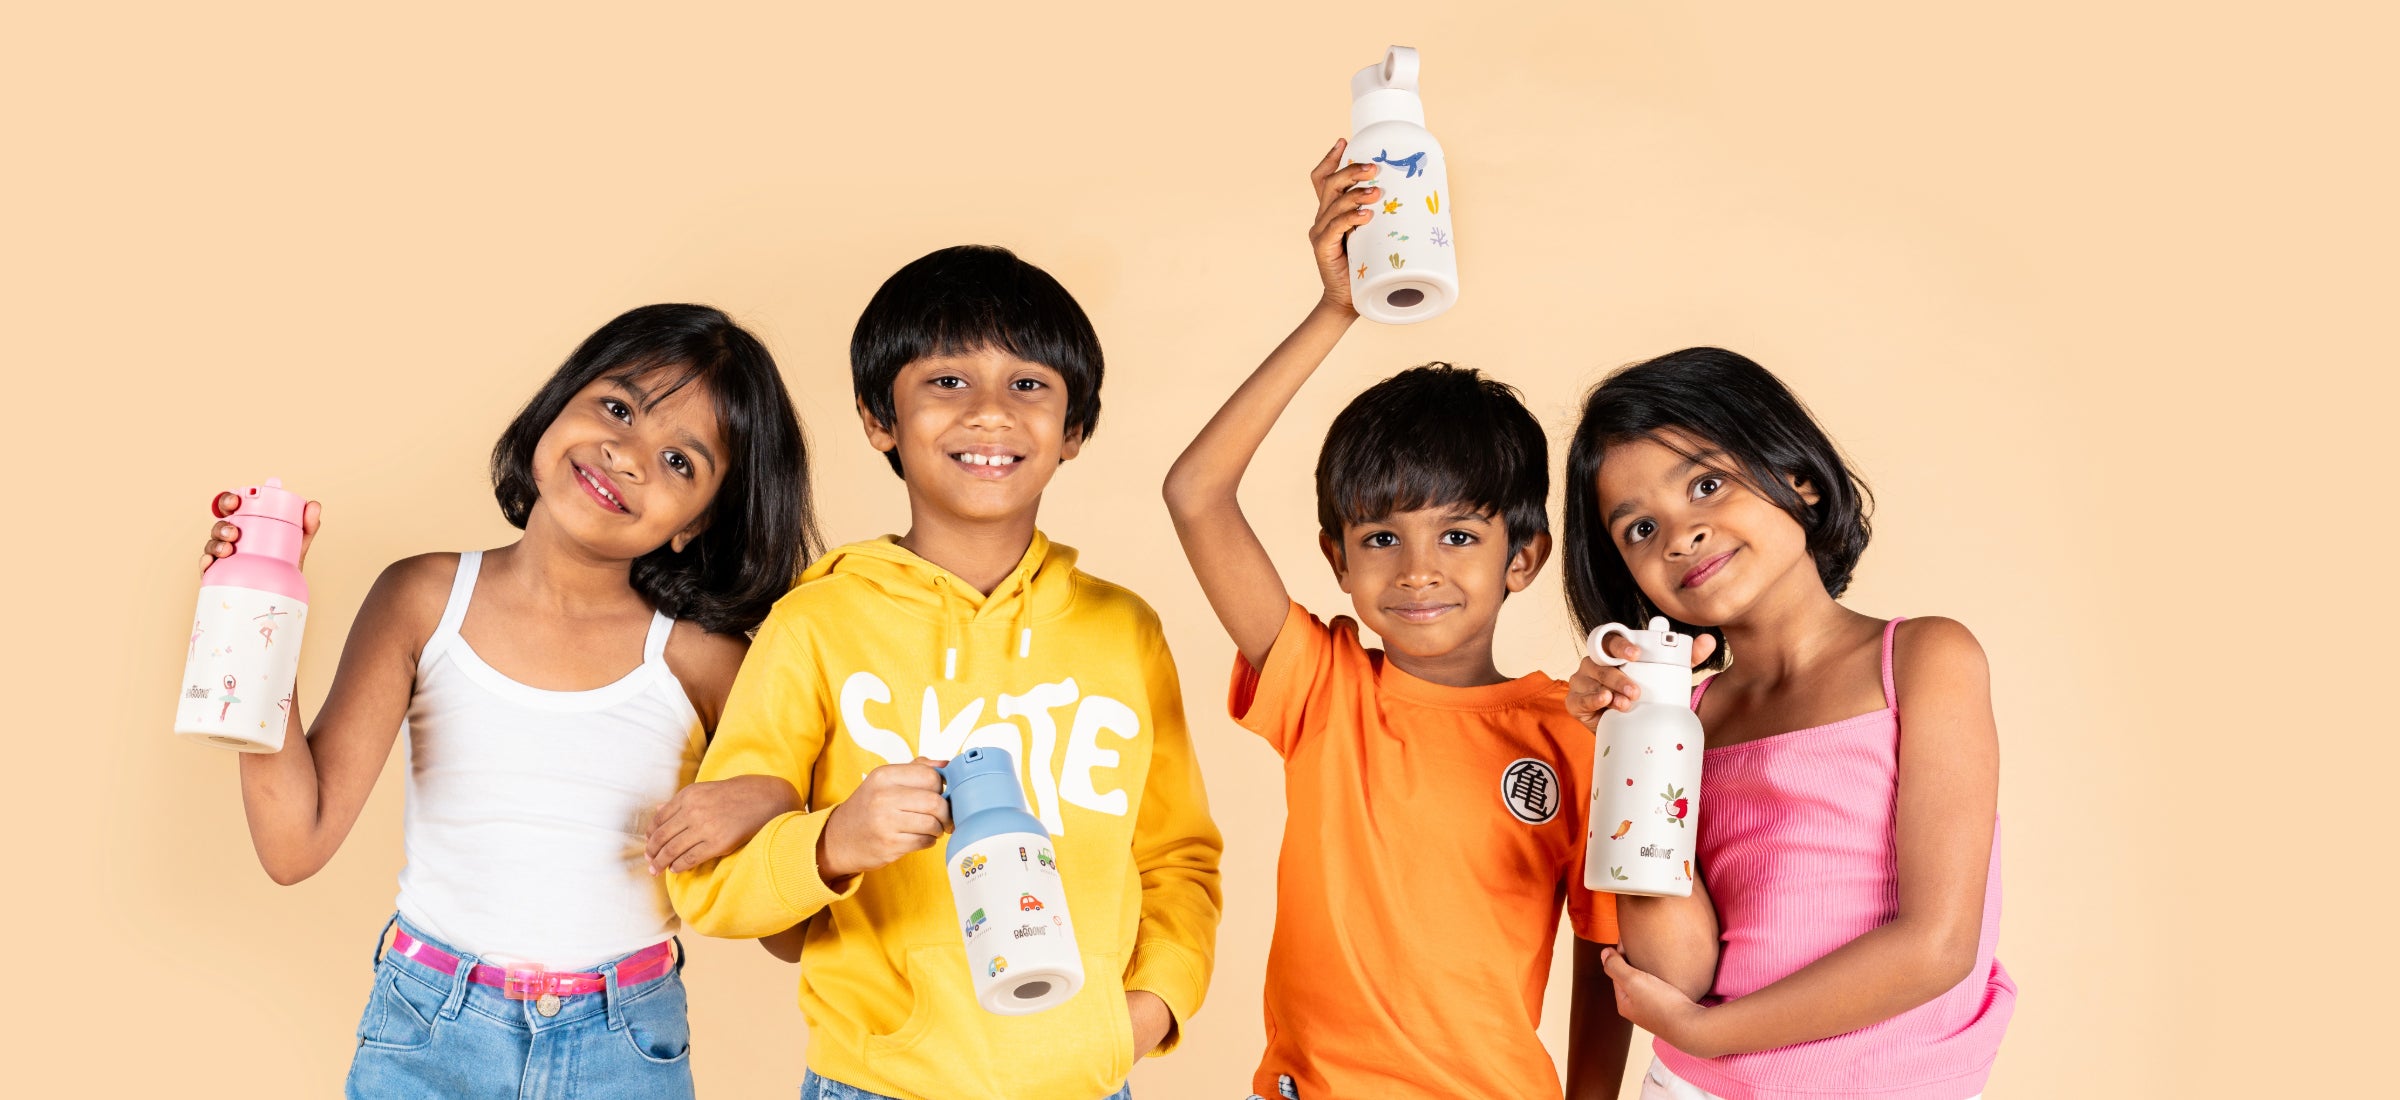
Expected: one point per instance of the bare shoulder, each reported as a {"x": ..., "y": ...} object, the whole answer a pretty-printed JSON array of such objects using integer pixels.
[
  {"x": 1936, "y": 643},
  {"x": 705, "y": 663},
  {"x": 1934, "y": 656},
  {"x": 411, "y": 593}
]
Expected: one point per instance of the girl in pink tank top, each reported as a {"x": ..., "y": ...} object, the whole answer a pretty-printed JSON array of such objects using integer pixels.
[{"x": 1840, "y": 936}]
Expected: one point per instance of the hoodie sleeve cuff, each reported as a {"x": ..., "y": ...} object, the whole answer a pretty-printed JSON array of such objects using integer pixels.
[
  {"x": 792, "y": 863},
  {"x": 1171, "y": 972}
]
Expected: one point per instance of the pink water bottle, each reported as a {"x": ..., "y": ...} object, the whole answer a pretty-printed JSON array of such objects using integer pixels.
[{"x": 245, "y": 647}]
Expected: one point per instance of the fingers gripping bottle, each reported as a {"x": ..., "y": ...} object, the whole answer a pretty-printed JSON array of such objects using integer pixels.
[
  {"x": 244, "y": 652},
  {"x": 1646, "y": 777},
  {"x": 1012, "y": 906},
  {"x": 1401, "y": 268}
]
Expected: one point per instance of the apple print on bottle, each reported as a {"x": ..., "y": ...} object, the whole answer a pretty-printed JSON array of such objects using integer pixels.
[{"x": 1677, "y": 805}]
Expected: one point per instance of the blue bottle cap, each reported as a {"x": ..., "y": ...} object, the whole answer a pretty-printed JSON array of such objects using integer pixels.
[{"x": 986, "y": 798}]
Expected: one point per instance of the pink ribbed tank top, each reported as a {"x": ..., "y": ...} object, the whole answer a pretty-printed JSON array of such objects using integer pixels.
[{"x": 1797, "y": 846}]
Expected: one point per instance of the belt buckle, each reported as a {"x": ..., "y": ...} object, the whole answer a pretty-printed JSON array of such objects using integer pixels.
[{"x": 531, "y": 983}]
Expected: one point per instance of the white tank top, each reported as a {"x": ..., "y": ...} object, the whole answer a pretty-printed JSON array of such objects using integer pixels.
[{"x": 527, "y": 808}]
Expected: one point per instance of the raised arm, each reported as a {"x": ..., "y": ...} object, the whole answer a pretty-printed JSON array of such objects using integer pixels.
[{"x": 1234, "y": 569}]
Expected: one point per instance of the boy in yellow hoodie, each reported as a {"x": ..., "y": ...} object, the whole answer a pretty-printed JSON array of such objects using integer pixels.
[{"x": 976, "y": 374}]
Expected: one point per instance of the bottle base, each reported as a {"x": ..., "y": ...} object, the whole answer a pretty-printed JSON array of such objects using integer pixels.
[{"x": 228, "y": 741}]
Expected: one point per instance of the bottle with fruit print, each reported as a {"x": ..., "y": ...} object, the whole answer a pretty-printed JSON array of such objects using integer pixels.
[
  {"x": 244, "y": 652},
  {"x": 1645, "y": 813},
  {"x": 1004, "y": 880},
  {"x": 1402, "y": 269}
]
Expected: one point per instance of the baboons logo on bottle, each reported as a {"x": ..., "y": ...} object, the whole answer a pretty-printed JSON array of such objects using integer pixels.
[{"x": 1530, "y": 790}]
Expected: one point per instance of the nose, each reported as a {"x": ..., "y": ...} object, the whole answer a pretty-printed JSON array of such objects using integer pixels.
[
  {"x": 1418, "y": 569},
  {"x": 1688, "y": 541},
  {"x": 619, "y": 460},
  {"x": 990, "y": 409}
]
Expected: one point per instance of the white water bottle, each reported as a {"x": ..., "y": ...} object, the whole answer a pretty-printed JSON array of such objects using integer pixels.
[
  {"x": 1012, "y": 904},
  {"x": 1402, "y": 269},
  {"x": 1645, "y": 814},
  {"x": 244, "y": 653}
]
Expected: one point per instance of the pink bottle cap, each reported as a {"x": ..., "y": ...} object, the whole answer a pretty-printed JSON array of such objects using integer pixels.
[{"x": 269, "y": 501}]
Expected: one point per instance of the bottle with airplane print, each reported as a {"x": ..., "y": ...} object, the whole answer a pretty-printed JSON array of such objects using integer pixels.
[
  {"x": 1402, "y": 267},
  {"x": 244, "y": 652},
  {"x": 1645, "y": 815},
  {"x": 1004, "y": 879}
]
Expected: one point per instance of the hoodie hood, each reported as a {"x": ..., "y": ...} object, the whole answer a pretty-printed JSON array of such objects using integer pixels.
[{"x": 1040, "y": 588}]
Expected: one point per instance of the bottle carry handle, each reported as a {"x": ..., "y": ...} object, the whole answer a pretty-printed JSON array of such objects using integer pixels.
[{"x": 1599, "y": 635}]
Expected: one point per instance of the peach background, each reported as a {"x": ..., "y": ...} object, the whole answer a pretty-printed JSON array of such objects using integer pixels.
[{"x": 2094, "y": 295}]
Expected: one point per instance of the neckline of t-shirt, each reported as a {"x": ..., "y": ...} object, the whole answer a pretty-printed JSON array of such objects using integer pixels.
[{"x": 1507, "y": 693}]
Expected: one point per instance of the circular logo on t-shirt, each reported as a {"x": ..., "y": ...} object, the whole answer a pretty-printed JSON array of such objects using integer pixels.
[{"x": 1530, "y": 790}]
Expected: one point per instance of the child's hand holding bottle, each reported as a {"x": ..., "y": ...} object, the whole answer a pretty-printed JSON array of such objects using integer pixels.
[
  {"x": 1341, "y": 207},
  {"x": 222, "y": 535},
  {"x": 896, "y": 810},
  {"x": 1596, "y": 687}
]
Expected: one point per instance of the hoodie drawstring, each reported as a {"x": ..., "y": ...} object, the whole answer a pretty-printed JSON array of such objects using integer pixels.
[
  {"x": 949, "y": 628},
  {"x": 1020, "y": 629}
]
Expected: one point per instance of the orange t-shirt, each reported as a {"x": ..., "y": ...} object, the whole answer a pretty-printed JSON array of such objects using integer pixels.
[{"x": 1432, "y": 834}]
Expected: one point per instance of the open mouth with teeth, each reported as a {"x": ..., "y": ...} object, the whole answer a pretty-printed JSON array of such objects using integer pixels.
[
  {"x": 986, "y": 465},
  {"x": 600, "y": 488}
]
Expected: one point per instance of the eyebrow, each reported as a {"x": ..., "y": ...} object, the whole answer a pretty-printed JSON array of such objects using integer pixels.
[
  {"x": 693, "y": 442},
  {"x": 1690, "y": 462}
]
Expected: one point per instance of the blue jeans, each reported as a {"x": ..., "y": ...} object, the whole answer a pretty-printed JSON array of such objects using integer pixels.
[
  {"x": 814, "y": 1087},
  {"x": 430, "y": 1034}
]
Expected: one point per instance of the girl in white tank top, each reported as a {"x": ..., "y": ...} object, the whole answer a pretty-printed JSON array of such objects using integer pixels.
[{"x": 556, "y": 692}]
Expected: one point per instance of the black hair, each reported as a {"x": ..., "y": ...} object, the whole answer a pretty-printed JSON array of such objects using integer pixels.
[
  {"x": 762, "y": 525},
  {"x": 964, "y": 299},
  {"x": 1764, "y": 433},
  {"x": 1435, "y": 435}
]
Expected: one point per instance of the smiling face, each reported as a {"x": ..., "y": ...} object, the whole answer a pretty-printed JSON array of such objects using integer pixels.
[
  {"x": 1429, "y": 582},
  {"x": 1704, "y": 547},
  {"x": 978, "y": 435},
  {"x": 627, "y": 467}
]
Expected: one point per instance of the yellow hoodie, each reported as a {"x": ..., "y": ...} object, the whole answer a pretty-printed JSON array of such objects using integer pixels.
[{"x": 878, "y": 657}]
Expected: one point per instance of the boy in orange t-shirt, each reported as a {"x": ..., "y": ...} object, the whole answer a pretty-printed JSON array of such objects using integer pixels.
[{"x": 1436, "y": 806}]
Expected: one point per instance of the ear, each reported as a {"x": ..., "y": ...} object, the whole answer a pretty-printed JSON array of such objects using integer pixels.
[
  {"x": 879, "y": 436},
  {"x": 1332, "y": 549},
  {"x": 1072, "y": 445},
  {"x": 1527, "y": 562},
  {"x": 684, "y": 537},
  {"x": 1808, "y": 493}
]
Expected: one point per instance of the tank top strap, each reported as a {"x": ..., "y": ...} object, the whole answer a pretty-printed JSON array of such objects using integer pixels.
[
  {"x": 654, "y": 646},
  {"x": 454, "y": 613},
  {"x": 1891, "y": 694},
  {"x": 1700, "y": 690}
]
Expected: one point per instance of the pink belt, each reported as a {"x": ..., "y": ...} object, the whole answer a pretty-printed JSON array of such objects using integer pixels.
[{"x": 531, "y": 983}]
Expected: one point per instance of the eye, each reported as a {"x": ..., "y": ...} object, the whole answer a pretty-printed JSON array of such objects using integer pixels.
[
  {"x": 1380, "y": 540},
  {"x": 950, "y": 382},
  {"x": 1638, "y": 530},
  {"x": 1707, "y": 486},
  {"x": 1457, "y": 538},
  {"x": 1027, "y": 385},
  {"x": 679, "y": 464},
  {"x": 618, "y": 409}
]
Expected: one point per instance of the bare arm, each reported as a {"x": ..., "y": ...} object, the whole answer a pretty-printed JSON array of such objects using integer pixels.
[
  {"x": 1673, "y": 938},
  {"x": 1233, "y": 567},
  {"x": 1947, "y": 802},
  {"x": 1597, "y": 1037},
  {"x": 302, "y": 800}
]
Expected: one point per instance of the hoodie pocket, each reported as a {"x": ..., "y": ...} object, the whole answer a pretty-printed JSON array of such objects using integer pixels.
[{"x": 1093, "y": 1024}]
